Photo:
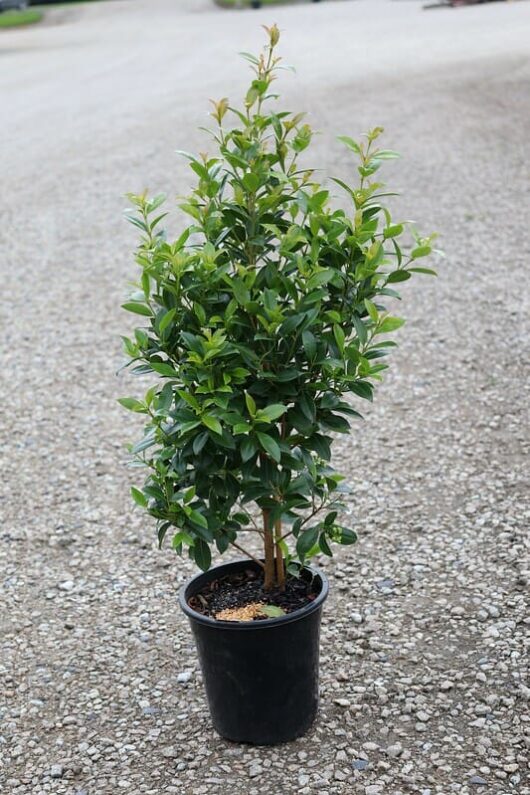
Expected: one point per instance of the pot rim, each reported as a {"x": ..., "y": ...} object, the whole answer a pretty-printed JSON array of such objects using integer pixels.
[{"x": 302, "y": 612}]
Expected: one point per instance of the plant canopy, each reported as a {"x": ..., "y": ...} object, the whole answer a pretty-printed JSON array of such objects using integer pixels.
[{"x": 259, "y": 321}]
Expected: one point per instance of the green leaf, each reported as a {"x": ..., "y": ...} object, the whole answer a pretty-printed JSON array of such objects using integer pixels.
[
  {"x": 398, "y": 276},
  {"x": 339, "y": 338},
  {"x": 251, "y": 182},
  {"x": 350, "y": 143},
  {"x": 137, "y": 308},
  {"x": 241, "y": 293},
  {"x": 363, "y": 389},
  {"x": 162, "y": 530},
  {"x": 133, "y": 405},
  {"x": 138, "y": 497},
  {"x": 372, "y": 310},
  {"x": 324, "y": 546},
  {"x": 420, "y": 251},
  {"x": 185, "y": 427},
  {"x": 198, "y": 518},
  {"x": 347, "y": 536},
  {"x": 251, "y": 404},
  {"x": 163, "y": 369},
  {"x": 428, "y": 271},
  {"x": 199, "y": 442},
  {"x": 319, "y": 278},
  {"x": 392, "y": 231},
  {"x": 306, "y": 541},
  {"x": 360, "y": 328},
  {"x": 272, "y": 611},
  {"x": 166, "y": 320},
  {"x": 201, "y": 554},
  {"x": 212, "y": 423},
  {"x": 272, "y": 412},
  {"x": 181, "y": 538},
  {"x": 270, "y": 446},
  {"x": 386, "y": 154},
  {"x": 189, "y": 495},
  {"x": 310, "y": 344},
  {"x": 390, "y": 324},
  {"x": 248, "y": 449}
]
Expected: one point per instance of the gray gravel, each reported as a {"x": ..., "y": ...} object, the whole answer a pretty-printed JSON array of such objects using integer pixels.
[{"x": 423, "y": 647}]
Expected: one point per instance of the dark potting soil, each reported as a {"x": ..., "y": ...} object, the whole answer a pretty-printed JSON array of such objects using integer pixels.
[{"x": 246, "y": 587}]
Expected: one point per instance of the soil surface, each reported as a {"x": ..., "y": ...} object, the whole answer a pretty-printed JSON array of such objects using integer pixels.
[{"x": 247, "y": 588}]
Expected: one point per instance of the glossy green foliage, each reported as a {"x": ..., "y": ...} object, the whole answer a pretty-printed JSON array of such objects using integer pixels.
[{"x": 258, "y": 321}]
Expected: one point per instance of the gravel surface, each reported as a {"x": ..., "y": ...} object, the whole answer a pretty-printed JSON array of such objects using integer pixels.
[{"x": 423, "y": 647}]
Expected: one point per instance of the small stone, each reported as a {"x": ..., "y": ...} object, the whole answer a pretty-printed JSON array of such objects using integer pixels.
[
  {"x": 357, "y": 618},
  {"x": 394, "y": 750},
  {"x": 56, "y": 771},
  {"x": 255, "y": 771},
  {"x": 170, "y": 752},
  {"x": 341, "y": 702},
  {"x": 423, "y": 716},
  {"x": 369, "y": 746},
  {"x": 478, "y": 780},
  {"x": 360, "y": 764},
  {"x": 385, "y": 585},
  {"x": 511, "y": 768},
  {"x": 67, "y": 585},
  {"x": 185, "y": 676},
  {"x": 446, "y": 685},
  {"x": 372, "y": 789}
]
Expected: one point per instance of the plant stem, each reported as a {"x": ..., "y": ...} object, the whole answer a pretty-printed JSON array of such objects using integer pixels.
[
  {"x": 269, "y": 552},
  {"x": 280, "y": 566}
]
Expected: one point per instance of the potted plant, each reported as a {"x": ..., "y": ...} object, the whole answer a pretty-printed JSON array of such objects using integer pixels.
[{"x": 259, "y": 320}]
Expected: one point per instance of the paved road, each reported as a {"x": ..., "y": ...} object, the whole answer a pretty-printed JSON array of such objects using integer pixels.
[{"x": 423, "y": 643}]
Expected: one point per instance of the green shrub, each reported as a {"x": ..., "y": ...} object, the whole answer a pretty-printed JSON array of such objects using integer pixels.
[
  {"x": 260, "y": 318},
  {"x": 15, "y": 19}
]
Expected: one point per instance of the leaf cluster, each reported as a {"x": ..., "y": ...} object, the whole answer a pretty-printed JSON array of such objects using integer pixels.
[{"x": 260, "y": 320}]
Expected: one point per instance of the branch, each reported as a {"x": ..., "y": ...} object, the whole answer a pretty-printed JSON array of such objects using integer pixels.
[{"x": 244, "y": 551}]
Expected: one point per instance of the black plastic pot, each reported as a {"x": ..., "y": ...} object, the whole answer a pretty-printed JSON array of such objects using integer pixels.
[{"x": 261, "y": 677}]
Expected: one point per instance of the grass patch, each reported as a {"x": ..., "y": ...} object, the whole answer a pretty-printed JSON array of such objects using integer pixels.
[{"x": 14, "y": 19}]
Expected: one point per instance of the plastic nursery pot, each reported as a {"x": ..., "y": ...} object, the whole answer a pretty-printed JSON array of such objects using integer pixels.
[{"x": 261, "y": 677}]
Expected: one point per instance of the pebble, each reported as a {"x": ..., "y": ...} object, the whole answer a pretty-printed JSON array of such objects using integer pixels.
[
  {"x": 360, "y": 764},
  {"x": 170, "y": 752}
]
